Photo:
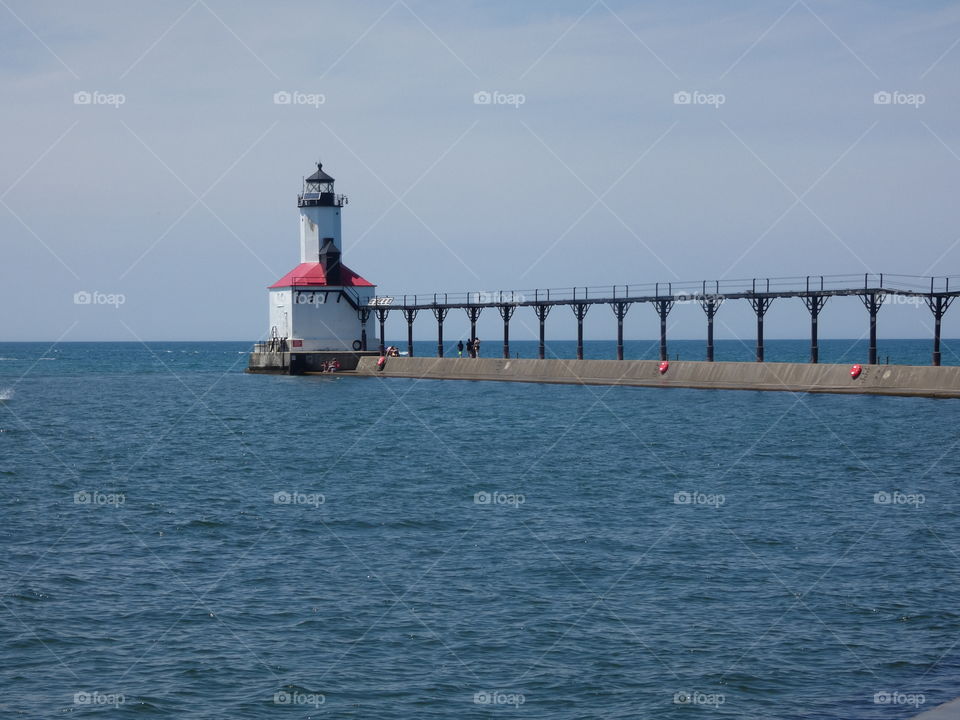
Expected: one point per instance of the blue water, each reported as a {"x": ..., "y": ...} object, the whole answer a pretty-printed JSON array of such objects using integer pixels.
[{"x": 454, "y": 549}]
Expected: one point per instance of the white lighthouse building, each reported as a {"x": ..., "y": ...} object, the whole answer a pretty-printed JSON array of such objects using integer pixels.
[{"x": 320, "y": 305}]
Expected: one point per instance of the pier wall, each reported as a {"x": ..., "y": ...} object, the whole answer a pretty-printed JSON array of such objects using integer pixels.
[
  {"x": 300, "y": 363},
  {"x": 906, "y": 380}
]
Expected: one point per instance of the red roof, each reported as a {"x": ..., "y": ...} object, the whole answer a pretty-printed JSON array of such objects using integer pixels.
[{"x": 312, "y": 273}]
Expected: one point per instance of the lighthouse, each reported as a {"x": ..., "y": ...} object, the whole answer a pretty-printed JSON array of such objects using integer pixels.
[{"x": 321, "y": 306}]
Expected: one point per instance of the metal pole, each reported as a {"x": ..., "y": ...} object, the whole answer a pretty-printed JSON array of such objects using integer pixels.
[
  {"x": 759, "y": 337},
  {"x": 710, "y": 307},
  {"x": 410, "y": 315},
  {"x": 580, "y": 310},
  {"x": 663, "y": 308},
  {"x": 542, "y": 311},
  {"x": 872, "y": 301},
  {"x": 382, "y": 317},
  {"x": 814, "y": 347},
  {"x": 814, "y": 304},
  {"x": 506, "y": 312},
  {"x": 473, "y": 312},
  {"x": 542, "y": 348},
  {"x": 579, "y": 338},
  {"x": 938, "y": 305},
  {"x": 620, "y": 310},
  {"x": 937, "y": 315},
  {"x": 439, "y": 338},
  {"x": 440, "y": 313},
  {"x": 663, "y": 336},
  {"x": 364, "y": 316},
  {"x": 710, "y": 335},
  {"x": 760, "y": 307}
]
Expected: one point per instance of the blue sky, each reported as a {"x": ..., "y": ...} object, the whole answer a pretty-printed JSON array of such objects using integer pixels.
[{"x": 182, "y": 198}]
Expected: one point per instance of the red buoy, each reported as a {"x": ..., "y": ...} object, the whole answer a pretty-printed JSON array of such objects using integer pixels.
[
  {"x": 855, "y": 371},
  {"x": 664, "y": 366}
]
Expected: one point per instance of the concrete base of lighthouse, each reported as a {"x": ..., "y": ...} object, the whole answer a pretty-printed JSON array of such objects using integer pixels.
[{"x": 304, "y": 362}]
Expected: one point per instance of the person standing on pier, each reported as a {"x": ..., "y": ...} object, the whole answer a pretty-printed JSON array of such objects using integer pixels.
[
  {"x": 476, "y": 347},
  {"x": 460, "y": 348}
]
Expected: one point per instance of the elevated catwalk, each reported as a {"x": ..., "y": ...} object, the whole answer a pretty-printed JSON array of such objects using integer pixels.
[{"x": 937, "y": 293}]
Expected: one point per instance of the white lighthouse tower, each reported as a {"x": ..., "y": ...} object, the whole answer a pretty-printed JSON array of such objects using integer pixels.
[{"x": 320, "y": 305}]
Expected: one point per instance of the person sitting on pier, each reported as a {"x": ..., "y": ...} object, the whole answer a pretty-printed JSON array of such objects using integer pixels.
[
  {"x": 323, "y": 366},
  {"x": 334, "y": 365}
]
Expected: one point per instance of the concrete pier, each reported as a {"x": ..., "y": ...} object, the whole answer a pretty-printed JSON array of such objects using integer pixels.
[
  {"x": 947, "y": 711},
  {"x": 903, "y": 380},
  {"x": 303, "y": 363}
]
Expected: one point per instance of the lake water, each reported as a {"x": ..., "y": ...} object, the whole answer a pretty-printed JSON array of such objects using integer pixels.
[{"x": 183, "y": 540}]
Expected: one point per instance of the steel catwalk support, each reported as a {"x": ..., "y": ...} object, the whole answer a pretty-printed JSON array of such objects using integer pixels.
[
  {"x": 620, "y": 310},
  {"x": 473, "y": 312},
  {"x": 410, "y": 315},
  {"x": 710, "y": 306},
  {"x": 760, "y": 306},
  {"x": 382, "y": 318},
  {"x": 364, "y": 317},
  {"x": 506, "y": 312},
  {"x": 542, "y": 311},
  {"x": 663, "y": 308},
  {"x": 440, "y": 313},
  {"x": 872, "y": 302},
  {"x": 580, "y": 310},
  {"x": 938, "y": 304},
  {"x": 814, "y": 304}
]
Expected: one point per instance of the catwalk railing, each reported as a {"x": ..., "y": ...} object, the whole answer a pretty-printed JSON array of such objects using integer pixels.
[{"x": 937, "y": 292}]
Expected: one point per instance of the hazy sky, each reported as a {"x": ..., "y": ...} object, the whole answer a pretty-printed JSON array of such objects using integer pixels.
[{"x": 144, "y": 155}]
